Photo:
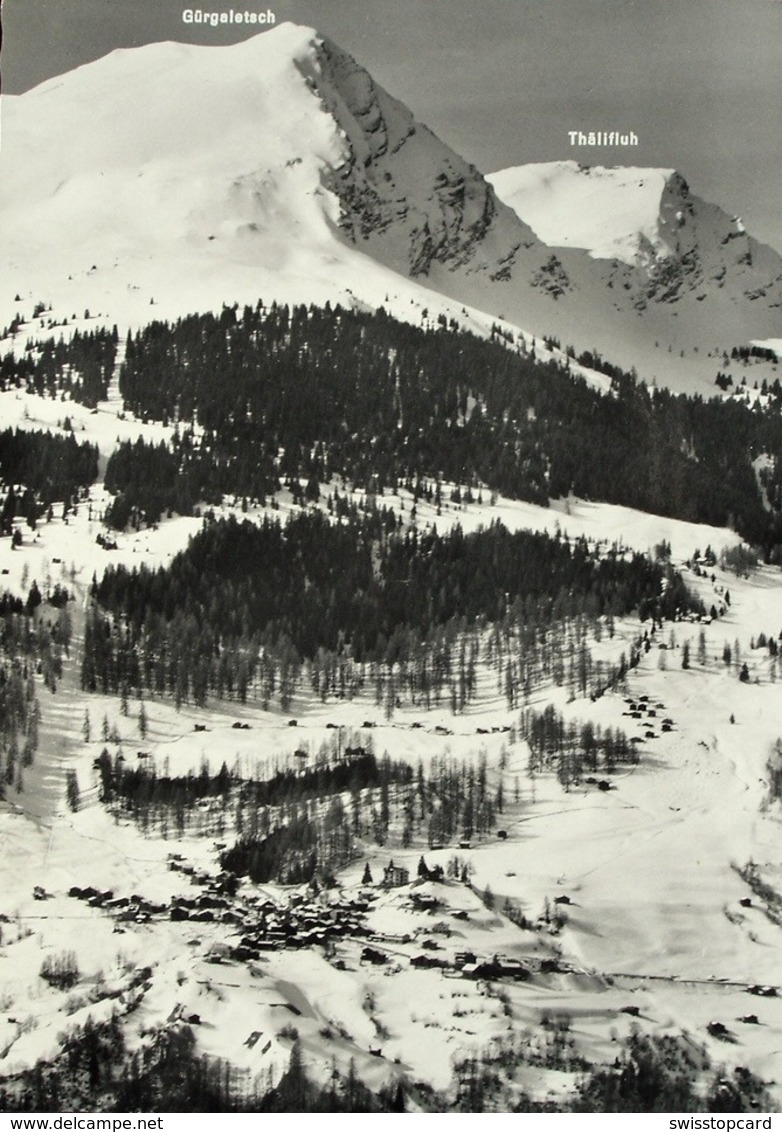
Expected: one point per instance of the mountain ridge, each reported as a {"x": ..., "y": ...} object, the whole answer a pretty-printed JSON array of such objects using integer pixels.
[
  {"x": 278, "y": 167},
  {"x": 398, "y": 172},
  {"x": 641, "y": 217}
]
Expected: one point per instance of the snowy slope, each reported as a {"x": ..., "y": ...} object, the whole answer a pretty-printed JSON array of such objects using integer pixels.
[{"x": 108, "y": 208}]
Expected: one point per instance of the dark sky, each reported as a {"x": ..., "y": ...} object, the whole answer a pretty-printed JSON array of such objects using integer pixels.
[{"x": 502, "y": 81}]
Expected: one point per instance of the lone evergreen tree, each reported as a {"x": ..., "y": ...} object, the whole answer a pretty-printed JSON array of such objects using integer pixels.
[{"x": 72, "y": 790}]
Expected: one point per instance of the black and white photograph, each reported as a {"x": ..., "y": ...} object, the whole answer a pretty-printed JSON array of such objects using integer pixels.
[{"x": 391, "y": 559}]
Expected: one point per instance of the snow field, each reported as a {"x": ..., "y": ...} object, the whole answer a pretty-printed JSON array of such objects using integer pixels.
[{"x": 613, "y": 213}]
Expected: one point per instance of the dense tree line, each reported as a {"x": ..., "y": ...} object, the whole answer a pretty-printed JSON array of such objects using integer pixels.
[
  {"x": 35, "y": 635},
  {"x": 291, "y": 854},
  {"x": 651, "y": 1073},
  {"x": 46, "y": 468},
  {"x": 450, "y": 800},
  {"x": 79, "y": 367},
  {"x": 665, "y": 1074},
  {"x": 97, "y": 1071},
  {"x": 289, "y": 827},
  {"x": 296, "y": 590},
  {"x": 744, "y": 353},
  {"x": 148, "y": 480},
  {"x": 527, "y": 649},
  {"x": 19, "y": 721},
  {"x": 138, "y": 786},
  {"x": 378, "y": 402},
  {"x": 297, "y": 824},
  {"x": 454, "y": 800},
  {"x": 573, "y": 747},
  {"x": 85, "y": 1073}
]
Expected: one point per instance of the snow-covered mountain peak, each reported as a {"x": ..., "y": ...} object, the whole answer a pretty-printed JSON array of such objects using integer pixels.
[
  {"x": 612, "y": 213},
  {"x": 269, "y": 167},
  {"x": 194, "y": 98},
  {"x": 215, "y": 193},
  {"x": 237, "y": 120},
  {"x": 635, "y": 216}
]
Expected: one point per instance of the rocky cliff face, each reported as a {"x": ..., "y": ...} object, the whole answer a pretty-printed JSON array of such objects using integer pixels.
[
  {"x": 705, "y": 249},
  {"x": 404, "y": 195},
  {"x": 682, "y": 271}
]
